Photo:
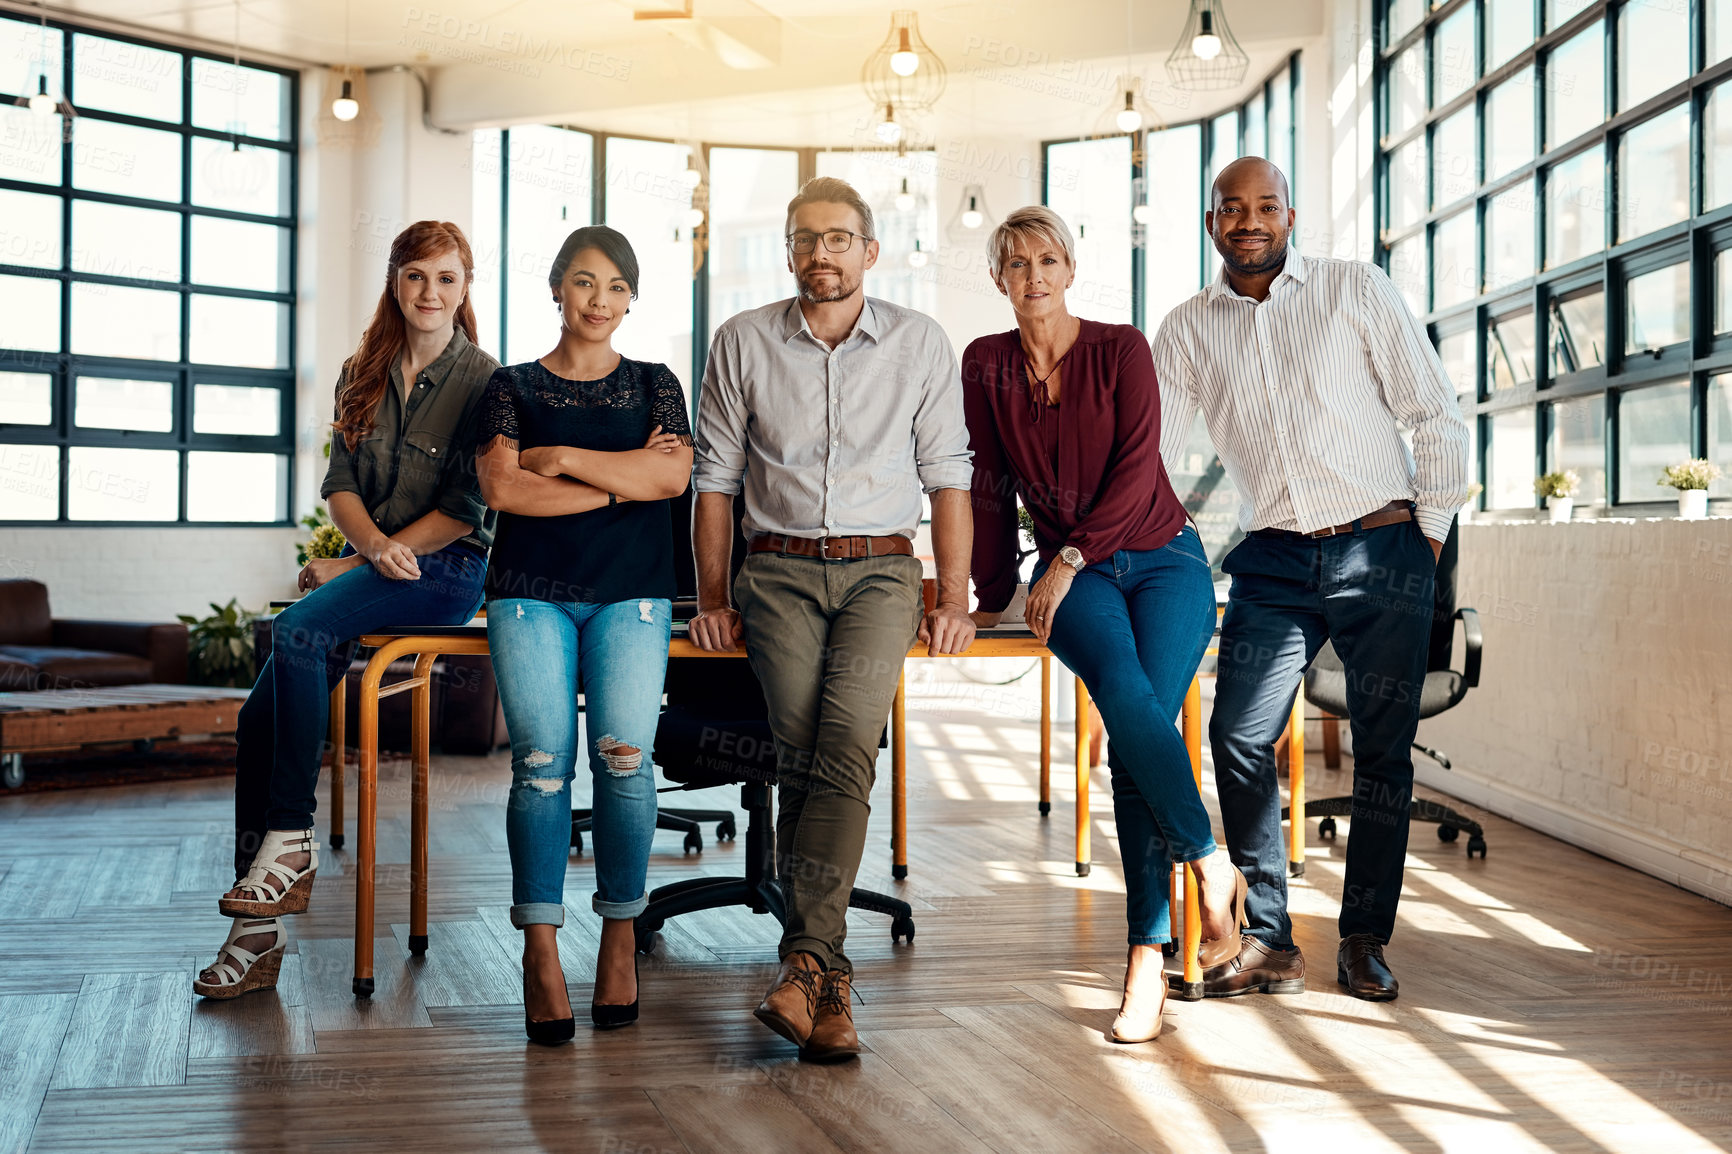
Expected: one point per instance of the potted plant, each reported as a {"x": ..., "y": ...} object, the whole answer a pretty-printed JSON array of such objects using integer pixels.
[
  {"x": 326, "y": 539},
  {"x": 1559, "y": 489},
  {"x": 1691, "y": 479},
  {"x": 1473, "y": 491},
  {"x": 220, "y": 647}
]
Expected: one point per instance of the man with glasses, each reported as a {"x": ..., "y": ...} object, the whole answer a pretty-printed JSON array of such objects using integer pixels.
[{"x": 834, "y": 413}]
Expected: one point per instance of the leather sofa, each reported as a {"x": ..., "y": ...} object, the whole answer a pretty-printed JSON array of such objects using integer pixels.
[{"x": 40, "y": 651}]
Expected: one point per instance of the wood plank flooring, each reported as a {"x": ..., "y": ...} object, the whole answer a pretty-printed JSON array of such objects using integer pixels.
[{"x": 1551, "y": 1000}]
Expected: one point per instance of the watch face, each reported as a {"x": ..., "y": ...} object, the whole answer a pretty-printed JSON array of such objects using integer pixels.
[{"x": 1071, "y": 556}]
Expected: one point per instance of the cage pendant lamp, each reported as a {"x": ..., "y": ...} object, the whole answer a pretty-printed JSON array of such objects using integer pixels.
[
  {"x": 1207, "y": 56},
  {"x": 904, "y": 71}
]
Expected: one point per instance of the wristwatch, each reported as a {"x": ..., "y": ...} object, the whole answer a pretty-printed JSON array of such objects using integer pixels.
[{"x": 1073, "y": 557}]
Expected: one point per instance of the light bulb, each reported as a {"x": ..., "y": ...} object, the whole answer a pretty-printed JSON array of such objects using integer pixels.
[
  {"x": 692, "y": 217},
  {"x": 1142, "y": 214},
  {"x": 1129, "y": 120},
  {"x": 971, "y": 217},
  {"x": 42, "y": 104},
  {"x": 346, "y": 107},
  {"x": 1206, "y": 45},
  {"x": 691, "y": 177},
  {"x": 905, "y": 199},
  {"x": 903, "y": 62},
  {"x": 917, "y": 258},
  {"x": 888, "y": 131}
]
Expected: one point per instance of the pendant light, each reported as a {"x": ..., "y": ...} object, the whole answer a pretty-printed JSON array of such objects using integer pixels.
[{"x": 1207, "y": 56}]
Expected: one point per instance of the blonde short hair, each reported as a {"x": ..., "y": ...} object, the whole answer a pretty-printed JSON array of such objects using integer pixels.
[{"x": 1031, "y": 225}]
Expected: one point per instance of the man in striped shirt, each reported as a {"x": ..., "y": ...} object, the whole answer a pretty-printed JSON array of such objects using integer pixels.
[{"x": 1308, "y": 370}]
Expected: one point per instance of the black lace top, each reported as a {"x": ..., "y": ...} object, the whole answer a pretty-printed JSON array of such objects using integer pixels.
[{"x": 615, "y": 553}]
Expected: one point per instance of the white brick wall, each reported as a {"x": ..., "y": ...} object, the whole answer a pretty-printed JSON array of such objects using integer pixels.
[{"x": 1604, "y": 711}]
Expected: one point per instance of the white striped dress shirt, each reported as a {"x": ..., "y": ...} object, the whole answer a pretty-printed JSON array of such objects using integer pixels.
[{"x": 1303, "y": 392}]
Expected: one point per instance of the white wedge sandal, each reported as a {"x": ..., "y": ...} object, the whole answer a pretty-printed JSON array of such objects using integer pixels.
[
  {"x": 241, "y": 970},
  {"x": 272, "y": 888}
]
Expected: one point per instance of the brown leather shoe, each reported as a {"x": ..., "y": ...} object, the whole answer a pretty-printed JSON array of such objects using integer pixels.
[
  {"x": 792, "y": 1002},
  {"x": 1256, "y": 967},
  {"x": 1359, "y": 966},
  {"x": 833, "y": 1038}
]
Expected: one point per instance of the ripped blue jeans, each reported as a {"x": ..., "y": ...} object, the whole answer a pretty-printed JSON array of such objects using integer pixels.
[{"x": 543, "y": 652}]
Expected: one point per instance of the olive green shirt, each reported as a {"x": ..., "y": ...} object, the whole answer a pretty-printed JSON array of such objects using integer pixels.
[{"x": 420, "y": 455}]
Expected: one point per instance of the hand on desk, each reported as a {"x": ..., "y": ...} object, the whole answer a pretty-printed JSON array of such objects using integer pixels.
[
  {"x": 946, "y": 630},
  {"x": 717, "y": 630}
]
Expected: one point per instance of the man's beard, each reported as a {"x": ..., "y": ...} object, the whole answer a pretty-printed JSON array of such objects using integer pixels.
[
  {"x": 840, "y": 290},
  {"x": 1273, "y": 258}
]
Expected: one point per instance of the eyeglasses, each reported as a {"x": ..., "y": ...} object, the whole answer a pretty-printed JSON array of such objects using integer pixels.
[{"x": 835, "y": 240}]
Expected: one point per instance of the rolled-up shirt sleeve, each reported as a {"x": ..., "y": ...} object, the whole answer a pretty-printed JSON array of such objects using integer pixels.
[
  {"x": 942, "y": 457},
  {"x": 719, "y": 439},
  {"x": 340, "y": 471}
]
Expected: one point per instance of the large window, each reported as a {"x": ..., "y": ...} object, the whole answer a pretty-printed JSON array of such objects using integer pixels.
[
  {"x": 902, "y": 189},
  {"x": 1579, "y": 159},
  {"x": 146, "y": 283}
]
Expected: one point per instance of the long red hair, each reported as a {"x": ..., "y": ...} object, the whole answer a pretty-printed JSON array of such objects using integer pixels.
[{"x": 367, "y": 374}]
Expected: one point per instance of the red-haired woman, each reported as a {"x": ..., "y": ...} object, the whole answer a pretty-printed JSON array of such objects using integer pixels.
[{"x": 401, "y": 486}]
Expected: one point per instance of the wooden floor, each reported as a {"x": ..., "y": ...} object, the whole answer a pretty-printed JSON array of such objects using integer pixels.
[{"x": 1551, "y": 1000}]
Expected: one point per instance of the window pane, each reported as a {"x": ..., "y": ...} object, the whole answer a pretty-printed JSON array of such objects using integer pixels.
[
  {"x": 26, "y": 399},
  {"x": 29, "y": 314},
  {"x": 1509, "y": 236},
  {"x": 1653, "y": 48},
  {"x": 1509, "y": 460},
  {"x": 119, "y": 158},
  {"x": 1717, "y": 148},
  {"x": 121, "y": 77},
  {"x": 30, "y": 145},
  {"x": 1455, "y": 265},
  {"x": 1406, "y": 183},
  {"x": 1452, "y": 159},
  {"x": 1089, "y": 186},
  {"x": 236, "y": 331},
  {"x": 1723, "y": 291},
  {"x": 1559, "y": 11},
  {"x": 122, "y": 484},
  {"x": 1719, "y": 433},
  {"x": 1509, "y": 29},
  {"x": 551, "y": 195},
  {"x": 1653, "y": 432},
  {"x": 107, "y": 403},
  {"x": 1223, "y": 142},
  {"x": 484, "y": 171},
  {"x": 242, "y": 100},
  {"x": 242, "y": 180},
  {"x": 1509, "y": 351},
  {"x": 116, "y": 240},
  {"x": 1176, "y": 204},
  {"x": 1407, "y": 269},
  {"x": 1407, "y": 90},
  {"x": 112, "y": 321},
  {"x": 236, "y": 410},
  {"x": 1281, "y": 121},
  {"x": 1654, "y": 173},
  {"x": 29, "y": 228},
  {"x": 28, "y": 49},
  {"x": 647, "y": 200},
  {"x": 1256, "y": 139},
  {"x": 879, "y": 178},
  {"x": 1509, "y": 125},
  {"x": 1459, "y": 352},
  {"x": 1717, "y": 15},
  {"x": 1577, "y": 440},
  {"x": 1452, "y": 56},
  {"x": 1575, "y": 208},
  {"x": 235, "y": 486},
  {"x": 1578, "y": 336},
  {"x": 749, "y": 193},
  {"x": 239, "y": 253},
  {"x": 29, "y": 482},
  {"x": 1659, "y": 309},
  {"x": 1576, "y": 86},
  {"x": 1400, "y": 18}
]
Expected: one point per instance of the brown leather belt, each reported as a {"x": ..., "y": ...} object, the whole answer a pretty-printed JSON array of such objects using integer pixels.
[
  {"x": 832, "y": 548},
  {"x": 1391, "y": 514}
]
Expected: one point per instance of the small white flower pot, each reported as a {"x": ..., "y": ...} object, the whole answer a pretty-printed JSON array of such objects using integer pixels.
[
  {"x": 1560, "y": 508},
  {"x": 1017, "y": 611},
  {"x": 1692, "y": 504}
]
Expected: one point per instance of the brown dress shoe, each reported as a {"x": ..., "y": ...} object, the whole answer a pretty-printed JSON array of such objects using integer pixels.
[
  {"x": 833, "y": 1038},
  {"x": 1256, "y": 967},
  {"x": 1359, "y": 966},
  {"x": 792, "y": 1002}
]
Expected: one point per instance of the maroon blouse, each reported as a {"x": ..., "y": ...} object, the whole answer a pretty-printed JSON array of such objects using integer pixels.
[{"x": 1089, "y": 471}]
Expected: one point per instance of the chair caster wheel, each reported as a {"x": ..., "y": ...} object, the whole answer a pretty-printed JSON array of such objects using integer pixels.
[
  {"x": 576, "y": 842},
  {"x": 725, "y": 829},
  {"x": 899, "y": 872},
  {"x": 417, "y": 943},
  {"x": 646, "y": 941},
  {"x": 336, "y": 841},
  {"x": 694, "y": 842},
  {"x": 902, "y": 929},
  {"x": 1475, "y": 845},
  {"x": 1326, "y": 829},
  {"x": 1447, "y": 833},
  {"x": 363, "y": 987},
  {"x": 12, "y": 770}
]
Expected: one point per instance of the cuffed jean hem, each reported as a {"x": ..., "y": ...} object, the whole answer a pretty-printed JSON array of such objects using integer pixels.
[
  {"x": 1150, "y": 939},
  {"x": 624, "y": 910},
  {"x": 1183, "y": 858},
  {"x": 538, "y": 914}
]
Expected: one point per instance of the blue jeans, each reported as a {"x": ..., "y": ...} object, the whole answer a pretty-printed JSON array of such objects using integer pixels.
[
  {"x": 1134, "y": 628},
  {"x": 1371, "y": 592},
  {"x": 281, "y": 730},
  {"x": 543, "y": 651}
]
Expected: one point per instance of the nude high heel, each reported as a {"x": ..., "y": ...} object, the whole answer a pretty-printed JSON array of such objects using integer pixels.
[{"x": 272, "y": 888}]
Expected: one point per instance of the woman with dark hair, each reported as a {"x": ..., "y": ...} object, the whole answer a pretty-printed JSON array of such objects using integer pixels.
[
  {"x": 401, "y": 486},
  {"x": 579, "y": 592}
]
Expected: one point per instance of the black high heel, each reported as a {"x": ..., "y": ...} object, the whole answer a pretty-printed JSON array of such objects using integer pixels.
[
  {"x": 549, "y": 1033},
  {"x": 613, "y": 1017}
]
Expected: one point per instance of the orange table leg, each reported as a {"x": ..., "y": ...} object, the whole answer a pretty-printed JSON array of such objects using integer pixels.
[
  {"x": 420, "y": 714},
  {"x": 899, "y": 780},
  {"x": 1045, "y": 736},
  {"x": 1296, "y": 787},
  {"x": 1082, "y": 779},
  {"x": 338, "y": 724},
  {"x": 1191, "y": 987}
]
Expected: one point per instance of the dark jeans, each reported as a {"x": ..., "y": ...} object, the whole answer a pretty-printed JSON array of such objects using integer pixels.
[
  {"x": 281, "y": 731},
  {"x": 1134, "y": 628},
  {"x": 1370, "y": 592}
]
